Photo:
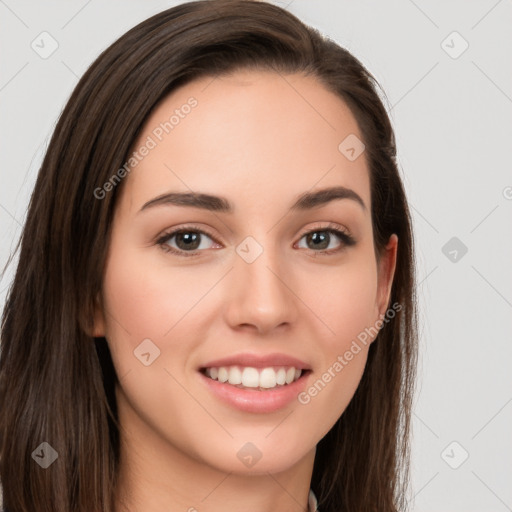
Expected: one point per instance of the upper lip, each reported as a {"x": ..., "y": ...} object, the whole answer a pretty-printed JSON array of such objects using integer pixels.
[{"x": 258, "y": 361}]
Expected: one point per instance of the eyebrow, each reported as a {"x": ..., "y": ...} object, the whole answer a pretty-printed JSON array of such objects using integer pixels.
[{"x": 306, "y": 201}]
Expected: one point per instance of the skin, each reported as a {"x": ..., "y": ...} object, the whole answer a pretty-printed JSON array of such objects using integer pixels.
[{"x": 260, "y": 140}]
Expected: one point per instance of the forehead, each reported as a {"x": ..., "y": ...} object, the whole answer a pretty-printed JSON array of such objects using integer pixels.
[{"x": 253, "y": 135}]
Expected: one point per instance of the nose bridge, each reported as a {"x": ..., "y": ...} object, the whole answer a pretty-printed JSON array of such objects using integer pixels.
[{"x": 261, "y": 296}]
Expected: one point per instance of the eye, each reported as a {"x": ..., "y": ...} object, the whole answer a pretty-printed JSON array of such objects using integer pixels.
[
  {"x": 188, "y": 241},
  {"x": 185, "y": 239},
  {"x": 322, "y": 239}
]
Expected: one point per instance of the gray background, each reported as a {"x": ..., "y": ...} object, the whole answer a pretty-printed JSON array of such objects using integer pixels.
[{"x": 452, "y": 114}]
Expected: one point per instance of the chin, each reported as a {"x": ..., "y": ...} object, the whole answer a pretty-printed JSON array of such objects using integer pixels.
[{"x": 254, "y": 457}]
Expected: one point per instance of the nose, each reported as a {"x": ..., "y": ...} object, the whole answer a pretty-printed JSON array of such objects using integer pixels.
[{"x": 261, "y": 294}]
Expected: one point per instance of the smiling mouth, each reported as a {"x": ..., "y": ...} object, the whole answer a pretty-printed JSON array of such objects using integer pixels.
[{"x": 257, "y": 379}]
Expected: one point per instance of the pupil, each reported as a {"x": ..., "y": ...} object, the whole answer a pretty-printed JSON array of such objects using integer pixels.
[
  {"x": 190, "y": 240},
  {"x": 322, "y": 238}
]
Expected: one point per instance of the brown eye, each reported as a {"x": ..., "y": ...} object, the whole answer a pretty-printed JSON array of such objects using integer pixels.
[
  {"x": 322, "y": 240},
  {"x": 188, "y": 240},
  {"x": 185, "y": 240},
  {"x": 319, "y": 239}
]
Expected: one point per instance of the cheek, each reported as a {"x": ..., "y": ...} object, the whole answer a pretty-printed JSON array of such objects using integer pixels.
[
  {"x": 149, "y": 301},
  {"x": 345, "y": 300},
  {"x": 146, "y": 299}
]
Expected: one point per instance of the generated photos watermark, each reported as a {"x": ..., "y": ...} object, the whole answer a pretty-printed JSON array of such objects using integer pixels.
[
  {"x": 151, "y": 142},
  {"x": 341, "y": 361}
]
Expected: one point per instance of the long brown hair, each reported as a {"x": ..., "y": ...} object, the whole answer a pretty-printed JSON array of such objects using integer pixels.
[{"x": 57, "y": 383}]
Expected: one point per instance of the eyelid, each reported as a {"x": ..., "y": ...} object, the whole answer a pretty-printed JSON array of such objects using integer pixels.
[
  {"x": 322, "y": 227},
  {"x": 188, "y": 227}
]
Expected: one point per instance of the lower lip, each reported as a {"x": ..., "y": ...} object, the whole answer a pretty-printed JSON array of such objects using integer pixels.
[{"x": 253, "y": 400}]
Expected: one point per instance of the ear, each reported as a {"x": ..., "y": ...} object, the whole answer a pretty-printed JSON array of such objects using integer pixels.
[
  {"x": 98, "y": 325},
  {"x": 386, "y": 272}
]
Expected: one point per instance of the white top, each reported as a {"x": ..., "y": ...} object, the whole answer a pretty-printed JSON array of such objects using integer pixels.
[{"x": 312, "y": 501}]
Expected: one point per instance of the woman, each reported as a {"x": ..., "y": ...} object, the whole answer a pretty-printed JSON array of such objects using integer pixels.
[{"x": 214, "y": 301}]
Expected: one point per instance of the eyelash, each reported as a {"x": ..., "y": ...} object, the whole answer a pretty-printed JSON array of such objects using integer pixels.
[{"x": 332, "y": 228}]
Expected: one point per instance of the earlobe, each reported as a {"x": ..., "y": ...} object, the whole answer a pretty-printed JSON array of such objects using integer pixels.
[
  {"x": 386, "y": 273},
  {"x": 98, "y": 326}
]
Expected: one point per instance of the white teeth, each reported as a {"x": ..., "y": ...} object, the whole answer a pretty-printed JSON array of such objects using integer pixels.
[
  {"x": 235, "y": 375},
  {"x": 223, "y": 374},
  {"x": 281, "y": 376},
  {"x": 268, "y": 378},
  {"x": 249, "y": 377}
]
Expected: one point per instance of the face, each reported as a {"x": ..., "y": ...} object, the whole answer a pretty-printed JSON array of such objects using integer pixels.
[{"x": 266, "y": 283}]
